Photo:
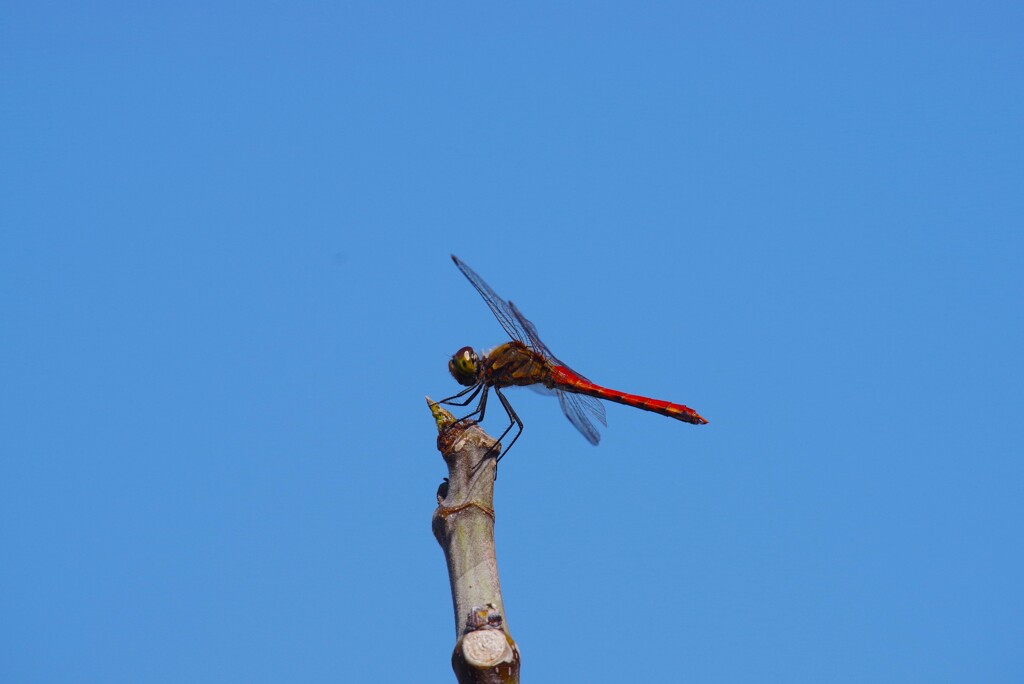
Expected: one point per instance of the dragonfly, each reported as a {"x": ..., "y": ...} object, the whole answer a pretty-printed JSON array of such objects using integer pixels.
[{"x": 526, "y": 361}]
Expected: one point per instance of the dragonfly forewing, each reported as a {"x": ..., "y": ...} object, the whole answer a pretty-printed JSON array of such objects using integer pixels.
[{"x": 499, "y": 307}]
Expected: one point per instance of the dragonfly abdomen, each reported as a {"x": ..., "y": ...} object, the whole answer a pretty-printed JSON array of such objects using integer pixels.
[{"x": 566, "y": 380}]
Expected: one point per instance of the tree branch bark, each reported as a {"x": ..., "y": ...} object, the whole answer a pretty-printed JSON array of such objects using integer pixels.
[{"x": 463, "y": 524}]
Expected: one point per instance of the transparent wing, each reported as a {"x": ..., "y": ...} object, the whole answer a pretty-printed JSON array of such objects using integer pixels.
[
  {"x": 579, "y": 409},
  {"x": 535, "y": 342},
  {"x": 532, "y": 338},
  {"x": 499, "y": 307}
]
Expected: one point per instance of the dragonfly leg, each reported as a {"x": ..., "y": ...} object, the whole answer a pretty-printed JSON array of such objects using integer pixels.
[
  {"x": 482, "y": 407},
  {"x": 513, "y": 421},
  {"x": 479, "y": 412},
  {"x": 473, "y": 388}
]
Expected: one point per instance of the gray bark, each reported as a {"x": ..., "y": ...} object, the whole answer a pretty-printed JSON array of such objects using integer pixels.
[{"x": 463, "y": 524}]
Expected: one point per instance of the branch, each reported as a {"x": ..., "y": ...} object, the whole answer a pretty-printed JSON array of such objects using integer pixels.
[{"x": 463, "y": 524}]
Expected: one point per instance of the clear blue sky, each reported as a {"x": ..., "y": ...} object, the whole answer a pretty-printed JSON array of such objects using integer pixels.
[{"x": 225, "y": 290}]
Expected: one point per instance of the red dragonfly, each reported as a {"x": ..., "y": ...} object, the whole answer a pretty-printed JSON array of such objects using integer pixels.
[{"x": 525, "y": 360}]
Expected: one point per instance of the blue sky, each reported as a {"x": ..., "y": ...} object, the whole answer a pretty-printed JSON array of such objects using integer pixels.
[{"x": 225, "y": 290}]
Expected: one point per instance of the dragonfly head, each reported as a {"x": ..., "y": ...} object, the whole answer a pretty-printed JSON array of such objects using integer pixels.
[{"x": 463, "y": 366}]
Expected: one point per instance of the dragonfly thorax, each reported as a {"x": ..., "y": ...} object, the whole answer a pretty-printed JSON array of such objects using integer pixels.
[{"x": 464, "y": 366}]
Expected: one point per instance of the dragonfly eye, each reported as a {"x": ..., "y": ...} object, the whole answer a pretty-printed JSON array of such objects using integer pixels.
[{"x": 463, "y": 366}]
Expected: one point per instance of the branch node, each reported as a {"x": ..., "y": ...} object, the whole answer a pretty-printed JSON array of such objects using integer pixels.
[{"x": 445, "y": 512}]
